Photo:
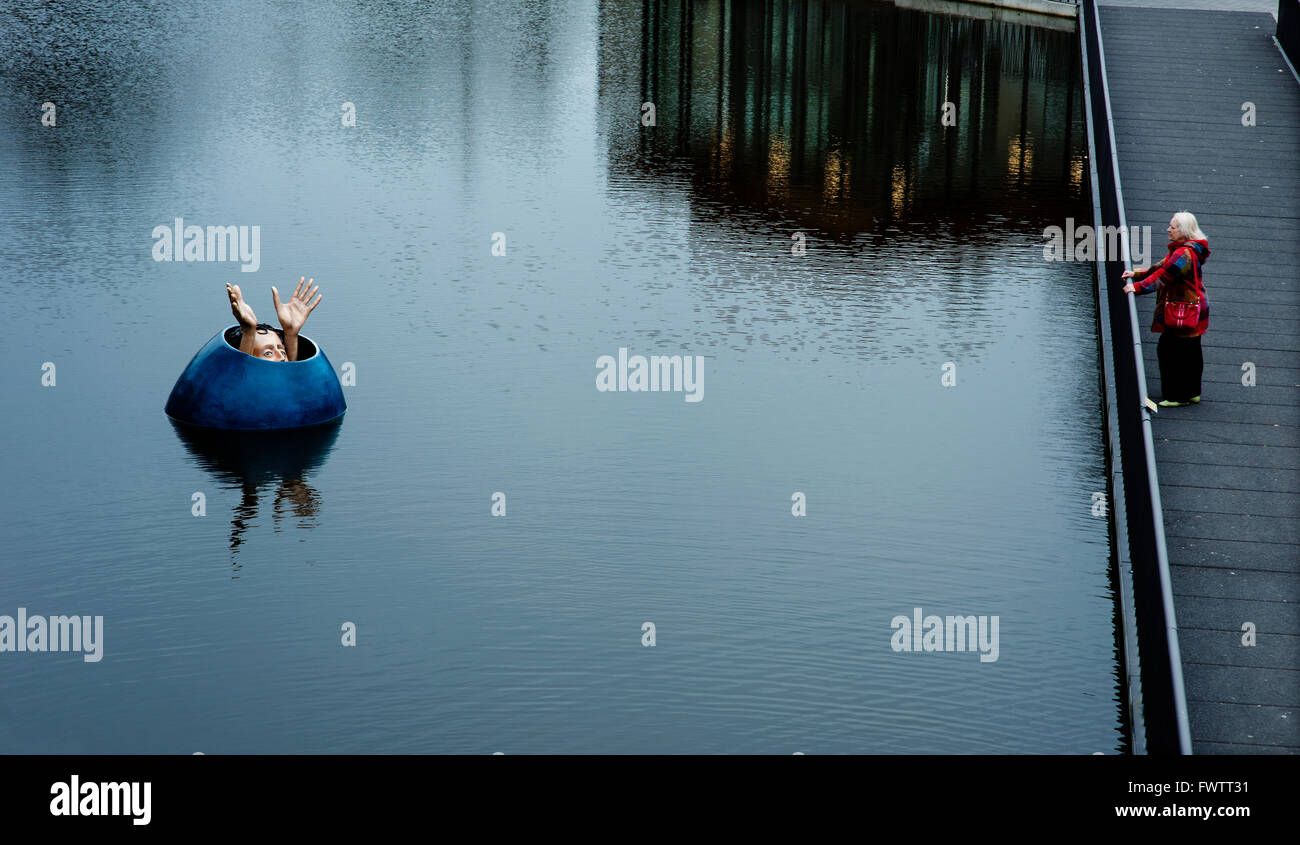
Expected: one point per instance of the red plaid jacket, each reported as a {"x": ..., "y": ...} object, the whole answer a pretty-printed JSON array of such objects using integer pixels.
[{"x": 1178, "y": 276}]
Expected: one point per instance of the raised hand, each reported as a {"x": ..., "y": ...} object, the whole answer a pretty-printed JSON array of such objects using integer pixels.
[
  {"x": 294, "y": 312},
  {"x": 240, "y": 308}
]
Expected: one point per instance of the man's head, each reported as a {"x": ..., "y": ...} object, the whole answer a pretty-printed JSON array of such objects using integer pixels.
[{"x": 267, "y": 343}]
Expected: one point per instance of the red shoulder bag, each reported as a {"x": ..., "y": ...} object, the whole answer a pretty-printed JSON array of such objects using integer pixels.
[{"x": 1185, "y": 315}]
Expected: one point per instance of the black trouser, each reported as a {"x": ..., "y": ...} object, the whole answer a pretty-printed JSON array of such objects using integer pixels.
[{"x": 1181, "y": 365}]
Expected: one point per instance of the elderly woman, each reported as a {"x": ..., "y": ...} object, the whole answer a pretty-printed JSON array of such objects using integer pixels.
[{"x": 1182, "y": 311}]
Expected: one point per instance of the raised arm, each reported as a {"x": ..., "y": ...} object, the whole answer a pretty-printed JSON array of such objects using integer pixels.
[
  {"x": 294, "y": 312},
  {"x": 247, "y": 319}
]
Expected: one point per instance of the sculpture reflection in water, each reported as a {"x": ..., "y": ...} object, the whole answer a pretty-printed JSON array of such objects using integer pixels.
[{"x": 262, "y": 464}]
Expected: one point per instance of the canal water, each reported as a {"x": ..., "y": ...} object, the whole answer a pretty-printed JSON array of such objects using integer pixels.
[{"x": 885, "y": 350}]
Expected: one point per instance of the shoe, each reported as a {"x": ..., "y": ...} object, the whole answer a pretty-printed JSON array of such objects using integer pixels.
[
  {"x": 1165, "y": 403},
  {"x": 1196, "y": 399}
]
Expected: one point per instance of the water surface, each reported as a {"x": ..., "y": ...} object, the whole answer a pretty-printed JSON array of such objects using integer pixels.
[{"x": 475, "y": 373}]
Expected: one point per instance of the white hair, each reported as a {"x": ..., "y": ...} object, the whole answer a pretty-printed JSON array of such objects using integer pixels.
[{"x": 1186, "y": 224}]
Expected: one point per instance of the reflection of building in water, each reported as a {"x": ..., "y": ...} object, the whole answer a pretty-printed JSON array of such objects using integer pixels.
[
  {"x": 832, "y": 112},
  {"x": 271, "y": 463}
]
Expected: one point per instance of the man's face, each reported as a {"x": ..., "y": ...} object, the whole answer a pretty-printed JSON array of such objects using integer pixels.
[{"x": 268, "y": 346}]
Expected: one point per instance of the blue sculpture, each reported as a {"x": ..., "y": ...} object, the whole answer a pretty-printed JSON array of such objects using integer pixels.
[{"x": 224, "y": 388}]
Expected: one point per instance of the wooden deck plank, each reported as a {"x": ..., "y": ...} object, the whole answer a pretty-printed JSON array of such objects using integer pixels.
[
  {"x": 1259, "y": 727},
  {"x": 1229, "y": 468},
  {"x": 1234, "y": 554}
]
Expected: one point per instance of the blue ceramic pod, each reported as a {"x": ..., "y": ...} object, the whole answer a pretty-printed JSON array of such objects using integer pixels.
[{"x": 227, "y": 389}]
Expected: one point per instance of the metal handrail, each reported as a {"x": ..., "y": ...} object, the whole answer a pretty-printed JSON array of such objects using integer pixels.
[
  {"x": 1114, "y": 468},
  {"x": 1090, "y": 14}
]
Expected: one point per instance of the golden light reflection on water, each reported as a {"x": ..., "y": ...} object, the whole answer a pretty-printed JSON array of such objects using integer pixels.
[
  {"x": 724, "y": 152},
  {"x": 835, "y": 182},
  {"x": 777, "y": 127},
  {"x": 1020, "y": 159},
  {"x": 778, "y": 166},
  {"x": 898, "y": 192}
]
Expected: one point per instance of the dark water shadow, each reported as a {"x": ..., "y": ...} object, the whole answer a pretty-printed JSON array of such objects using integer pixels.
[
  {"x": 830, "y": 113},
  {"x": 264, "y": 464}
]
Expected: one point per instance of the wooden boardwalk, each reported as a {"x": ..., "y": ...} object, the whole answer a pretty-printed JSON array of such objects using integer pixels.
[{"x": 1229, "y": 468}]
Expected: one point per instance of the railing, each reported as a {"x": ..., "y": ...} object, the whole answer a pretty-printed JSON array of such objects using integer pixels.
[{"x": 1158, "y": 706}]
